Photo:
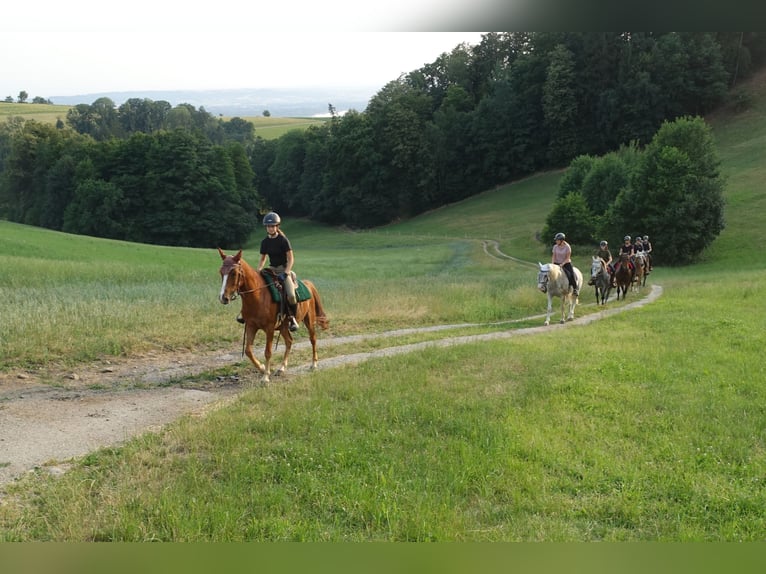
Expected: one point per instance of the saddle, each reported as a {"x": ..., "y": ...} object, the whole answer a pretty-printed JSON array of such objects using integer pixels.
[{"x": 277, "y": 287}]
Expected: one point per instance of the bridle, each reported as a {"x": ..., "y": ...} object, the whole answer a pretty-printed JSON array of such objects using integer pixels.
[
  {"x": 240, "y": 279},
  {"x": 542, "y": 281}
]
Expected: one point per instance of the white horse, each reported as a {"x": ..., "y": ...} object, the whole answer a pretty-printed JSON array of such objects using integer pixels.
[{"x": 552, "y": 280}]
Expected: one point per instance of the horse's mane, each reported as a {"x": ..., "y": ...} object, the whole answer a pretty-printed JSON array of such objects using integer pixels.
[{"x": 554, "y": 271}]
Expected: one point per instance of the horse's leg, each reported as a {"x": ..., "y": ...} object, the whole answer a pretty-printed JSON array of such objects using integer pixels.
[
  {"x": 267, "y": 352},
  {"x": 311, "y": 325},
  {"x": 572, "y": 301},
  {"x": 249, "y": 338},
  {"x": 550, "y": 310},
  {"x": 287, "y": 337},
  {"x": 564, "y": 297}
]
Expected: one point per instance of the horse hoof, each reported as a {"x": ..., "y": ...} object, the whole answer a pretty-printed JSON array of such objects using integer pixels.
[{"x": 279, "y": 372}]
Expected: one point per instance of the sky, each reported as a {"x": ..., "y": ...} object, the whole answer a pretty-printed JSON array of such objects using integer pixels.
[{"x": 59, "y": 48}]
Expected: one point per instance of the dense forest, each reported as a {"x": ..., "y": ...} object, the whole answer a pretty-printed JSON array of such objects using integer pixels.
[{"x": 476, "y": 117}]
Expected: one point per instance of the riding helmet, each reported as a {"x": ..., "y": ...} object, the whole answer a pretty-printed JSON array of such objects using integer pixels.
[
  {"x": 603, "y": 244},
  {"x": 559, "y": 236},
  {"x": 646, "y": 238},
  {"x": 627, "y": 238},
  {"x": 271, "y": 218}
]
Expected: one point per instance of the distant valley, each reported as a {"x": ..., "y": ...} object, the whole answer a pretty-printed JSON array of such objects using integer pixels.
[{"x": 281, "y": 102}]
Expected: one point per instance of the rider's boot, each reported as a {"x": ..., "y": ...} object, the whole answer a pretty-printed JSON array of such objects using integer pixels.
[{"x": 293, "y": 322}]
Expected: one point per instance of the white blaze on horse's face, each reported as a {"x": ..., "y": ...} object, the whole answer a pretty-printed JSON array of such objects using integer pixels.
[
  {"x": 222, "y": 295},
  {"x": 595, "y": 268}
]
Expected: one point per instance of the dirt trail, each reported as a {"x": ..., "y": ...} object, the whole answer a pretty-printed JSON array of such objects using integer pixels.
[{"x": 44, "y": 423}]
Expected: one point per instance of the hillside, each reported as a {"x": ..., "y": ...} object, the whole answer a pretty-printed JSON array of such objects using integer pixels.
[{"x": 294, "y": 102}]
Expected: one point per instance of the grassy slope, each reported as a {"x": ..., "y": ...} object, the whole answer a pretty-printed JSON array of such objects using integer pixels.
[{"x": 645, "y": 426}]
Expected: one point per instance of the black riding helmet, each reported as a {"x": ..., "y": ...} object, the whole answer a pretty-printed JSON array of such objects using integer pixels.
[{"x": 271, "y": 218}]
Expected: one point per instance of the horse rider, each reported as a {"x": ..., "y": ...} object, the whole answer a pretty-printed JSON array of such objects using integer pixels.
[
  {"x": 604, "y": 253},
  {"x": 628, "y": 248},
  {"x": 638, "y": 244},
  {"x": 648, "y": 251},
  {"x": 276, "y": 246},
  {"x": 561, "y": 255}
]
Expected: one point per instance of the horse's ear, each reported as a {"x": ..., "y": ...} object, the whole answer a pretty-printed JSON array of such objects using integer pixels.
[
  {"x": 238, "y": 256},
  {"x": 223, "y": 255},
  {"x": 541, "y": 265}
]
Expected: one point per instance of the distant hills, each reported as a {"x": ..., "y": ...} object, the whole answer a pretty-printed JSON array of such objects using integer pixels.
[{"x": 282, "y": 102}]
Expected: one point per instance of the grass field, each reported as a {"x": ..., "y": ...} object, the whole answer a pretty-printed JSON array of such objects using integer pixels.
[
  {"x": 648, "y": 425},
  {"x": 267, "y": 128}
]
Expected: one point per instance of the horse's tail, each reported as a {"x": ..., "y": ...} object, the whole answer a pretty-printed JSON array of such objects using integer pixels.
[{"x": 322, "y": 318}]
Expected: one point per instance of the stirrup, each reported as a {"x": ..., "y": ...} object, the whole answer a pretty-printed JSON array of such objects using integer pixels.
[{"x": 293, "y": 325}]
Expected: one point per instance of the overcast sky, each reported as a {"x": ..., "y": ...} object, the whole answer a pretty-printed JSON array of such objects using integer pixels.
[{"x": 58, "y": 48}]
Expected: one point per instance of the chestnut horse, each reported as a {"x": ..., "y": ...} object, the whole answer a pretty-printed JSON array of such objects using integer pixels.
[
  {"x": 260, "y": 311},
  {"x": 623, "y": 277}
]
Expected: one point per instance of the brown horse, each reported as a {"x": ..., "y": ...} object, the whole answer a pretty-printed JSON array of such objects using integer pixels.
[
  {"x": 623, "y": 277},
  {"x": 260, "y": 311}
]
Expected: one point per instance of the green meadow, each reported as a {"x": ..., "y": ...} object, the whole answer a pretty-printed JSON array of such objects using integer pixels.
[
  {"x": 647, "y": 425},
  {"x": 266, "y": 127}
]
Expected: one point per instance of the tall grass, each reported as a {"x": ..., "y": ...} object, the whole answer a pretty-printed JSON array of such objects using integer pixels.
[{"x": 646, "y": 425}]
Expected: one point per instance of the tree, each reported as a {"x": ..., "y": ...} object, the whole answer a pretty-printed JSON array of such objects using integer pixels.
[
  {"x": 95, "y": 210},
  {"x": 676, "y": 193},
  {"x": 560, "y": 106},
  {"x": 571, "y": 215},
  {"x": 23, "y": 97}
]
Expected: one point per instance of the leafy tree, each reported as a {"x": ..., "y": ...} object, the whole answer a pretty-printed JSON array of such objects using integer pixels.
[
  {"x": 23, "y": 95},
  {"x": 398, "y": 115},
  {"x": 95, "y": 210},
  {"x": 286, "y": 170},
  {"x": 571, "y": 216},
  {"x": 458, "y": 174},
  {"x": 352, "y": 193},
  {"x": 607, "y": 177},
  {"x": 676, "y": 193},
  {"x": 560, "y": 108},
  {"x": 573, "y": 178}
]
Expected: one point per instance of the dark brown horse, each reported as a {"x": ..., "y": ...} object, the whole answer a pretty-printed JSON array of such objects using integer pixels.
[
  {"x": 623, "y": 277},
  {"x": 260, "y": 311}
]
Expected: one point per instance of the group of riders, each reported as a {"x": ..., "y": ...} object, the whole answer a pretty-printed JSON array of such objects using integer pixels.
[
  {"x": 561, "y": 255},
  {"x": 276, "y": 248},
  {"x": 630, "y": 250}
]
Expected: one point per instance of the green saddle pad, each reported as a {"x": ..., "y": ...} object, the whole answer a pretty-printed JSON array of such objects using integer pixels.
[{"x": 302, "y": 293}]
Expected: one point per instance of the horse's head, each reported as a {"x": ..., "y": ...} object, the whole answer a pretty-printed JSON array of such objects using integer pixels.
[
  {"x": 596, "y": 266},
  {"x": 231, "y": 276},
  {"x": 542, "y": 277}
]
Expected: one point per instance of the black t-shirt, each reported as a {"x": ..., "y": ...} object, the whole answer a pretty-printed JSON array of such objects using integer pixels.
[{"x": 276, "y": 248}]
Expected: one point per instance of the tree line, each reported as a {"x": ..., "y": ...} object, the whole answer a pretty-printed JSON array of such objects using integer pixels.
[{"x": 476, "y": 117}]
